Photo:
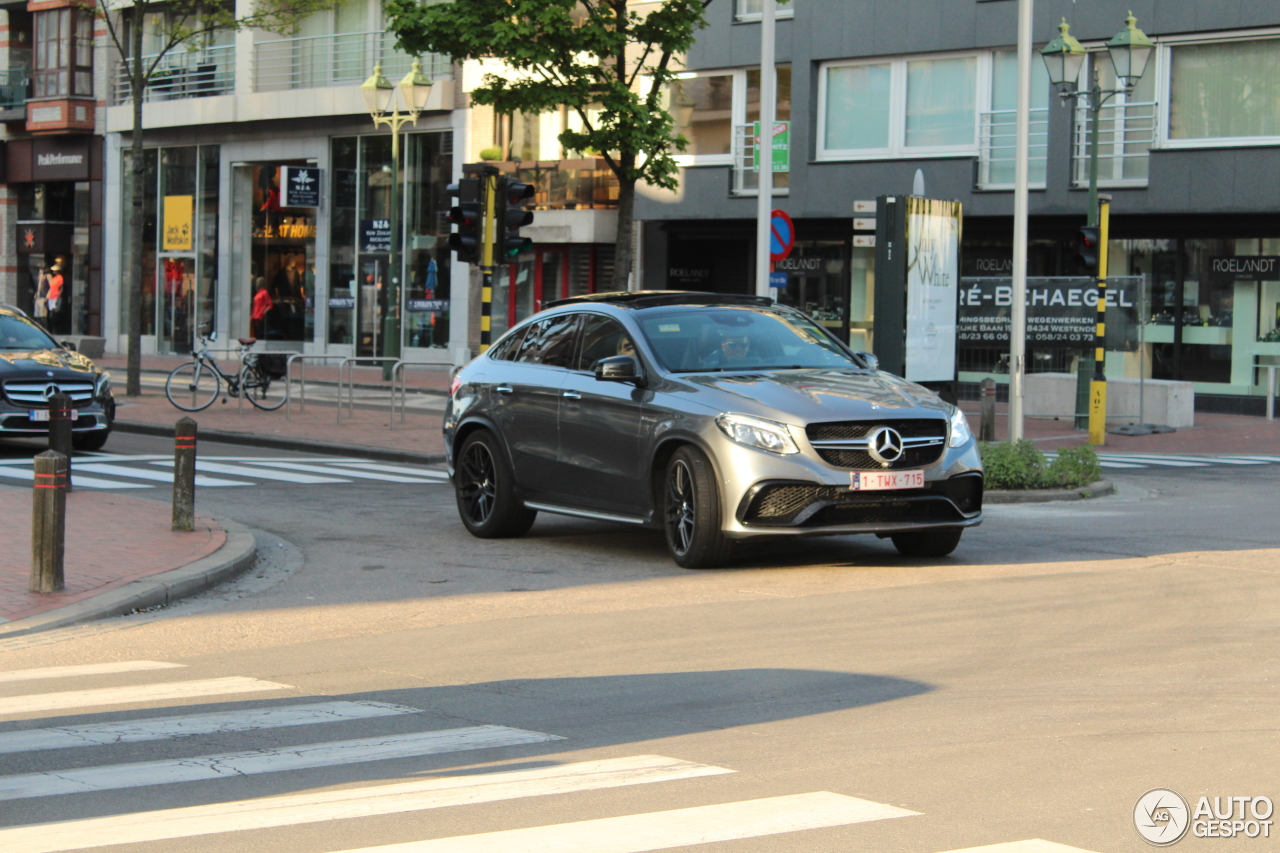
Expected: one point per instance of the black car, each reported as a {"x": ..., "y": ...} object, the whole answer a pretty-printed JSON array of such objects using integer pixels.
[
  {"x": 714, "y": 418},
  {"x": 34, "y": 367}
]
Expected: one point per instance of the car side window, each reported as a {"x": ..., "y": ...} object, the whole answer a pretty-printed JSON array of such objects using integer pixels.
[
  {"x": 603, "y": 337},
  {"x": 550, "y": 342},
  {"x": 507, "y": 347}
]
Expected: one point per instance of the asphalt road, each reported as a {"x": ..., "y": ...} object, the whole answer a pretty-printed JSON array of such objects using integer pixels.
[{"x": 825, "y": 695}]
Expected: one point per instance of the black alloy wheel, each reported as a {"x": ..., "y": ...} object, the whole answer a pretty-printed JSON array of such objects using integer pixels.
[
  {"x": 691, "y": 512},
  {"x": 485, "y": 490},
  {"x": 927, "y": 543}
]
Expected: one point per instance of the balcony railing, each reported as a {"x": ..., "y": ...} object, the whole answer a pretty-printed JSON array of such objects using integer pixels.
[
  {"x": 336, "y": 60},
  {"x": 997, "y": 148},
  {"x": 15, "y": 88},
  {"x": 1126, "y": 133},
  {"x": 182, "y": 74},
  {"x": 567, "y": 184}
]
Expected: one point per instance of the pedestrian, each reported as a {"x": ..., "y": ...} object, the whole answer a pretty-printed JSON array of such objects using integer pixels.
[
  {"x": 262, "y": 303},
  {"x": 54, "y": 294},
  {"x": 41, "y": 309}
]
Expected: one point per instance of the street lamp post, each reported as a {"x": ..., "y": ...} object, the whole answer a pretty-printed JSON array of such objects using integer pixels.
[{"x": 380, "y": 97}]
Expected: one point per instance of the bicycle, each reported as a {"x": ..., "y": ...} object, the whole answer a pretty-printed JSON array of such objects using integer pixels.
[{"x": 195, "y": 385}]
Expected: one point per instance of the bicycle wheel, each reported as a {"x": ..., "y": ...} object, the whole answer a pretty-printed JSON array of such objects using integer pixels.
[
  {"x": 192, "y": 387},
  {"x": 260, "y": 389}
]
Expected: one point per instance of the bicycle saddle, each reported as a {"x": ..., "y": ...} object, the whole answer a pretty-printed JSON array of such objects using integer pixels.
[{"x": 248, "y": 342}]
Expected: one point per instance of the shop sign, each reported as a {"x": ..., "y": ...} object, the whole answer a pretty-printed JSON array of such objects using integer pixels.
[
  {"x": 781, "y": 145},
  {"x": 178, "y": 230},
  {"x": 60, "y": 160},
  {"x": 300, "y": 186},
  {"x": 342, "y": 302},
  {"x": 1245, "y": 268},
  {"x": 375, "y": 235},
  {"x": 38, "y": 238},
  {"x": 1061, "y": 312},
  {"x": 344, "y": 189},
  {"x": 933, "y": 278},
  {"x": 688, "y": 276},
  {"x": 418, "y": 306}
]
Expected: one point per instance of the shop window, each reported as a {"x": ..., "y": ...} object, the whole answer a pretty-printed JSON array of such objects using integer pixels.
[
  {"x": 63, "y": 53},
  {"x": 1225, "y": 92}
]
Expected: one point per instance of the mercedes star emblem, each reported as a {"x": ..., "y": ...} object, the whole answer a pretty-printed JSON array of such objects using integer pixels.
[
  {"x": 50, "y": 390},
  {"x": 885, "y": 445}
]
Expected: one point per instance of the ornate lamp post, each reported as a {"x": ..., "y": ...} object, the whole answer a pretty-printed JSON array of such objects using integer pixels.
[{"x": 380, "y": 97}]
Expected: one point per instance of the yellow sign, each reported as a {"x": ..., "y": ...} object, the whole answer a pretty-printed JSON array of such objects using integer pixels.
[{"x": 178, "y": 236}]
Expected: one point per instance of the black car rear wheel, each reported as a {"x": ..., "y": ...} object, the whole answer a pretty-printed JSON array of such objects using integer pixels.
[
  {"x": 485, "y": 490},
  {"x": 927, "y": 543},
  {"x": 691, "y": 512}
]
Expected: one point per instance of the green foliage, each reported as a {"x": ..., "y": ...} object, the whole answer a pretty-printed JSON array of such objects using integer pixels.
[
  {"x": 604, "y": 61},
  {"x": 494, "y": 153},
  {"x": 1019, "y": 465}
]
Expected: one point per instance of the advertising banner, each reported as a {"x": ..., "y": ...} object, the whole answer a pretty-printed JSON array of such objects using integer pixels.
[
  {"x": 1062, "y": 312},
  {"x": 178, "y": 230},
  {"x": 933, "y": 280},
  {"x": 300, "y": 186}
]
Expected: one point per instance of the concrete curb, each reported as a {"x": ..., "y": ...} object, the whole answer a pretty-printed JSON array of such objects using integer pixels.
[
  {"x": 1035, "y": 496},
  {"x": 303, "y": 445},
  {"x": 235, "y": 555}
]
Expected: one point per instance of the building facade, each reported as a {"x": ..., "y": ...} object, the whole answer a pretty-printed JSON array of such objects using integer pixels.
[{"x": 878, "y": 92}]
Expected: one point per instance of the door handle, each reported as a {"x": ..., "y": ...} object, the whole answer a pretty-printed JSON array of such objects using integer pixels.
[
  {"x": 504, "y": 389},
  {"x": 571, "y": 395}
]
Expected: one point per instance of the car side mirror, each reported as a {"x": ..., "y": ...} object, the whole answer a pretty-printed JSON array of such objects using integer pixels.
[
  {"x": 68, "y": 345},
  {"x": 869, "y": 360},
  {"x": 619, "y": 368}
]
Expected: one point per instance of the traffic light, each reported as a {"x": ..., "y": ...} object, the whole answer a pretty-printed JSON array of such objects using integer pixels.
[
  {"x": 511, "y": 217},
  {"x": 1090, "y": 238},
  {"x": 468, "y": 215}
]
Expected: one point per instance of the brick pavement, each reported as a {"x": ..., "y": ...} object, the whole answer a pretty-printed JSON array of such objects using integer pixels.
[{"x": 111, "y": 540}]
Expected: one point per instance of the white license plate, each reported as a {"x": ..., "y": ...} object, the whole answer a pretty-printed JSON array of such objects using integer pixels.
[
  {"x": 876, "y": 481},
  {"x": 43, "y": 414}
]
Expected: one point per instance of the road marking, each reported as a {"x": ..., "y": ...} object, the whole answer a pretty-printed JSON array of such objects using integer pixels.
[
  {"x": 392, "y": 469},
  {"x": 1034, "y": 845},
  {"x": 143, "y": 474},
  {"x": 1204, "y": 460},
  {"x": 1171, "y": 463},
  {"x": 253, "y": 762},
  {"x": 85, "y": 669},
  {"x": 165, "y": 728},
  {"x": 322, "y": 806},
  {"x": 79, "y": 480},
  {"x": 348, "y": 472},
  {"x": 660, "y": 830},
  {"x": 1107, "y": 463},
  {"x": 246, "y": 471},
  {"x": 136, "y": 694}
]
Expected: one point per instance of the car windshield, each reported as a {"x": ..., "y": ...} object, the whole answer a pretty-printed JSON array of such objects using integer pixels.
[
  {"x": 739, "y": 337},
  {"x": 20, "y": 334}
]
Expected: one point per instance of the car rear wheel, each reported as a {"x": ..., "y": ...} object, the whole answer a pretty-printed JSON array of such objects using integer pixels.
[
  {"x": 485, "y": 490},
  {"x": 691, "y": 512},
  {"x": 927, "y": 543}
]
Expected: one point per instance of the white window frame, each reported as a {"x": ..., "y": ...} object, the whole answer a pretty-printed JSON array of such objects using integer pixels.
[
  {"x": 737, "y": 114},
  {"x": 1164, "y": 90},
  {"x": 897, "y": 148},
  {"x": 755, "y": 17}
]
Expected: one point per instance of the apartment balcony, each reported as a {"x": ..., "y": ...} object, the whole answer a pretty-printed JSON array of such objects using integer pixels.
[
  {"x": 345, "y": 59},
  {"x": 997, "y": 149},
  {"x": 182, "y": 74},
  {"x": 15, "y": 89},
  {"x": 577, "y": 200},
  {"x": 1126, "y": 132}
]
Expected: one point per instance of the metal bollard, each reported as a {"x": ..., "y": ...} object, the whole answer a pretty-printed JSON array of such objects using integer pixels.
[
  {"x": 60, "y": 423},
  {"x": 987, "y": 423},
  {"x": 184, "y": 475},
  {"x": 48, "y": 522}
]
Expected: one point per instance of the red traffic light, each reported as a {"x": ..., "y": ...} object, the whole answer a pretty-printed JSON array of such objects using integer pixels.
[{"x": 1090, "y": 243}]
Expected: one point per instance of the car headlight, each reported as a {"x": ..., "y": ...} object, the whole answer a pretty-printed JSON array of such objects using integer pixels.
[
  {"x": 102, "y": 387},
  {"x": 960, "y": 432},
  {"x": 758, "y": 432}
]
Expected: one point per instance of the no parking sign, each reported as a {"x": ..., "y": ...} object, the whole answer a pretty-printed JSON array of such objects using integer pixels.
[{"x": 782, "y": 235}]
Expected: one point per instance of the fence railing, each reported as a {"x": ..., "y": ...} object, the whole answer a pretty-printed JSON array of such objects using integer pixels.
[
  {"x": 15, "y": 88},
  {"x": 182, "y": 74},
  {"x": 336, "y": 60},
  {"x": 997, "y": 148},
  {"x": 1126, "y": 132}
]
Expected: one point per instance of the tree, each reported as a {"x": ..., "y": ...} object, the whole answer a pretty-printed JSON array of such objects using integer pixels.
[
  {"x": 609, "y": 61},
  {"x": 173, "y": 24}
]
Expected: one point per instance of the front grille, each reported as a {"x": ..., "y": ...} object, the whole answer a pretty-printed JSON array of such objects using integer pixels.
[
  {"x": 811, "y": 505},
  {"x": 31, "y": 392},
  {"x": 24, "y": 423},
  {"x": 913, "y": 457},
  {"x": 927, "y": 509},
  {"x": 929, "y": 435},
  {"x": 845, "y": 430}
]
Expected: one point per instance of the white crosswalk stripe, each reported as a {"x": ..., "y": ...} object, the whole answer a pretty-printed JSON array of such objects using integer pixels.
[
  {"x": 1174, "y": 460},
  {"x": 629, "y": 833},
  {"x": 119, "y": 471}
]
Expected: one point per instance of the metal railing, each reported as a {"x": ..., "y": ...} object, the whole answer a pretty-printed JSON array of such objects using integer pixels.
[
  {"x": 15, "y": 88},
  {"x": 997, "y": 148},
  {"x": 302, "y": 359},
  {"x": 181, "y": 74},
  {"x": 397, "y": 374},
  {"x": 313, "y": 62},
  {"x": 1126, "y": 132}
]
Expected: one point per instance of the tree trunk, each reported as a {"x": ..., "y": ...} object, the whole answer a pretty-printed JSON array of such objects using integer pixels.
[
  {"x": 622, "y": 254},
  {"x": 131, "y": 281}
]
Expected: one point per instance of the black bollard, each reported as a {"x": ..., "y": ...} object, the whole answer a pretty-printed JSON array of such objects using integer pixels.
[
  {"x": 184, "y": 475},
  {"x": 48, "y": 522},
  {"x": 60, "y": 423},
  {"x": 987, "y": 420}
]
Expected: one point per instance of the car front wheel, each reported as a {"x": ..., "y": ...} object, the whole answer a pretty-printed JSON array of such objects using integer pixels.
[
  {"x": 691, "y": 512},
  {"x": 927, "y": 543},
  {"x": 485, "y": 489}
]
